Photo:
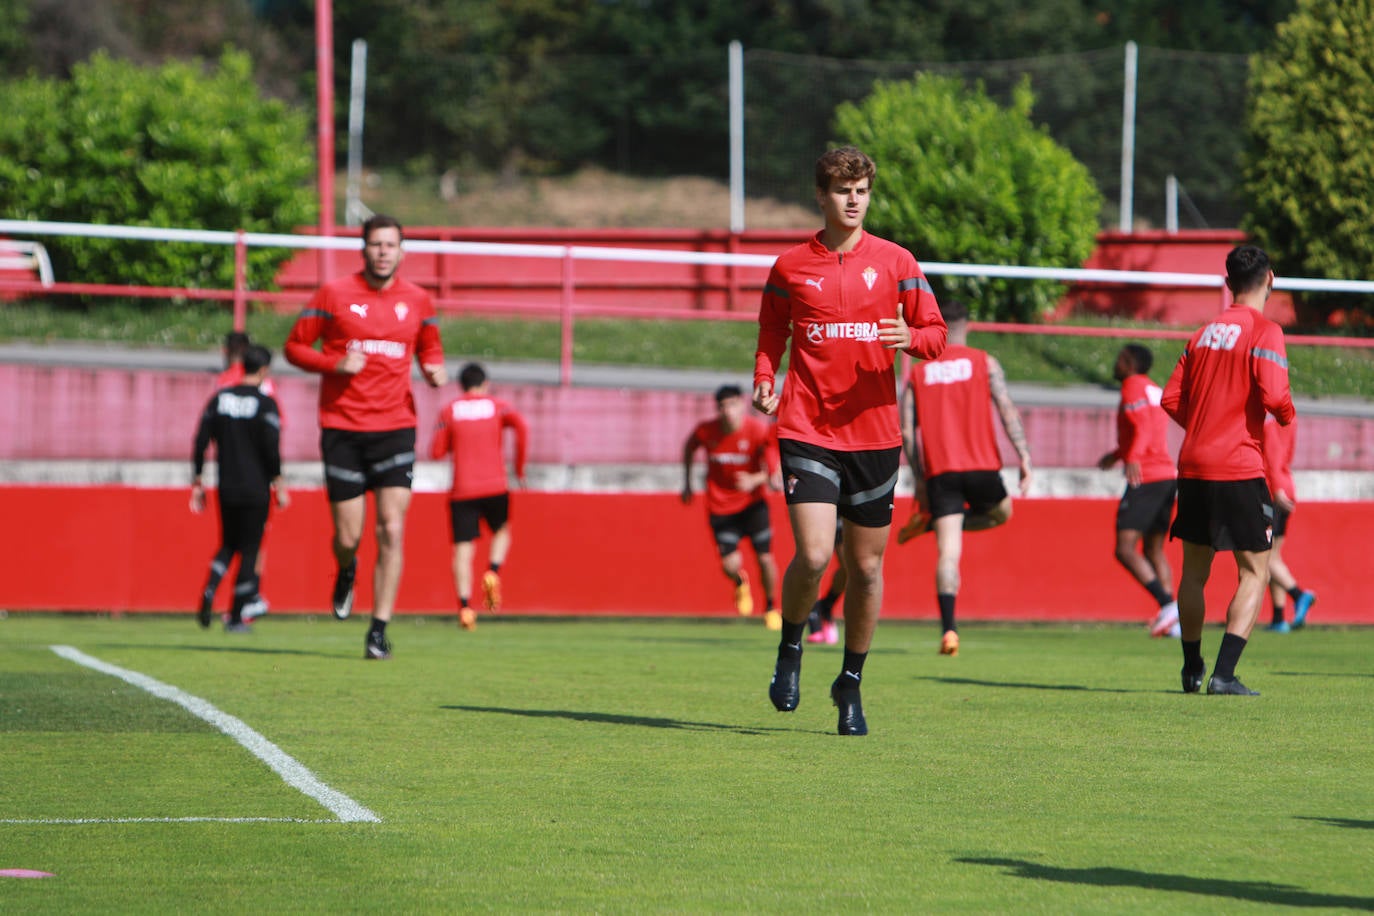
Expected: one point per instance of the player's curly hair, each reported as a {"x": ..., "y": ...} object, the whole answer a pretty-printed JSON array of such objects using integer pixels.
[{"x": 847, "y": 163}]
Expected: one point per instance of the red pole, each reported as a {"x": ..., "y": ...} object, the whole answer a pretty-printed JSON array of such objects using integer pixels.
[
  {"x": 565, "y": 355},
  {"x": 324, "y": 102},
  {"x": 240, "y": 282}
]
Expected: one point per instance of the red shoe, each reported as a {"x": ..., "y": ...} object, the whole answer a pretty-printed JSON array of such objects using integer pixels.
[
  {"x": 949, "y": 643},
  {"x": 491, "y": 590}
]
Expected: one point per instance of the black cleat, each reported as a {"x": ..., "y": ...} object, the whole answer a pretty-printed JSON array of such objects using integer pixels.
[
  {"x": 376, "y": 646},
  {"x": 785, "y": 688},
  {"x": 203, "y": 613},
  {"x": 1192, "y": 680},
  {"x": 343, "y": 590},
  {"x": 845, "y": 692},
  {"x": 1229, "y": 686}
]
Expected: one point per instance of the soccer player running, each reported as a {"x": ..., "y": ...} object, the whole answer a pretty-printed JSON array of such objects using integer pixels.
[
  {"x": 471, "y": 429},
  {"x": 849, "y": 301},
  {"x": 1147, "y": 505},
  {"x": 244, "y": 424},
  {"x": 741, "y": 462},
  {"x": 956, "y": 464},
  {"x": 1233, "y": 370},
  {"x": 370, "y": 325},
  {"x": 1280, "y": 442}
]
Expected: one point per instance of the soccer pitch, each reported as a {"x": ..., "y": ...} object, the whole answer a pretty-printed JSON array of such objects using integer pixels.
[{"x": 637, "y": 765}]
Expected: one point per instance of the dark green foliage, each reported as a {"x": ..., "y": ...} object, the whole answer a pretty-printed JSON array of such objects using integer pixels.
[
  {"x": 1309, "y": 170},
  {"x": 180, "y": 146},
  {"x": 961, "y": 179}
]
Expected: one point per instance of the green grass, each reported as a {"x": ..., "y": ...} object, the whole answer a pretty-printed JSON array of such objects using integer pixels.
[
  {"x": 717, "y": 345},
  {"x": 631, "y": 766}
]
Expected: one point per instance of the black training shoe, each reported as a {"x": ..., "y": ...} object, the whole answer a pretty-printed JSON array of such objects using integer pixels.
[
  {"x": 785, "y": 688},
  {"x": 376, "y": 646},
  {"x": 1192, "y": 680},
  {"x": 845, "y": 692},
  {"x": 1229, "y": 686},
  {"x": 203, "y": 613},
  {"x": 343, "y": 590}
]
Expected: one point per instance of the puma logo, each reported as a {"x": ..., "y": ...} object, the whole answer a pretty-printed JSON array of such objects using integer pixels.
[
  {"x": 360, "y": 310},
  {"x": 816, "y": 282}
]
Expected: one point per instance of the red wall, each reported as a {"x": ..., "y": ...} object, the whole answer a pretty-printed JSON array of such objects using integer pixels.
[{"x": 129, "y": 549}]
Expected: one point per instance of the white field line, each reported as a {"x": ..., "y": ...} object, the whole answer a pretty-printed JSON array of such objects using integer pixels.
[
  {"x": 287, "y": 767},
  {"x": 167, "y": 820}
]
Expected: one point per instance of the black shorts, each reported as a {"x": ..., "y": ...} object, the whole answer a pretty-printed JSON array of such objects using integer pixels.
[
  {"x": 1280, "y": 521},
  {"x": 960, "y": 492},
  {"x": 355, "y": 462},
  {"x": 465, "y": 515},
  {"x": 859, "y": 484},
  {"x": 751, "y": 522},
  {"x": 1225, "y": 514},
  {"x": 1147, "y": 508}
]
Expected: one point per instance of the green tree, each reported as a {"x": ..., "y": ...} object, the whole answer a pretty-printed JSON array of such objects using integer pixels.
[
  {"x": 179, "y": 145},
  {"x": 961, "y": 179},
  {"x": 1309, "y": 168}
]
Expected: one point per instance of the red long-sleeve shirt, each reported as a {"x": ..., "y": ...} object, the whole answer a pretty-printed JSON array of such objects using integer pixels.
[
  {"x": 1280, "y": 444},
  {"x": 470, "y": 428},
  {"x": 1232, "y": 371},
  {"x": 841, "y": 388},
  {"x": 1142, "y": 429},
  {"x": 751, "y": 448},
  {"x": 390, "y": 326}
]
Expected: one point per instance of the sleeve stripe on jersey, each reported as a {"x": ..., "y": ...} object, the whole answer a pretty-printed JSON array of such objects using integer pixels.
[
  {"x": 1136, "y": 405},
  {"x": 776, "y": 291},
  {"x": 315, "y": 313},
  {"x": 858, "y": 499},
  {"x": 812, "y": 466},
  {"x": 273, "y": 420},
  {"x": 920, "y": 283},
  {"x": 431, "y": 322},
  {"x": 1272, "y": 355}
]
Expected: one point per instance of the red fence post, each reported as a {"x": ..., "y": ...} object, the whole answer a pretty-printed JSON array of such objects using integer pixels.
[
  {"x": 565, "y": 354},
  {"x": 240, "y": 281}
]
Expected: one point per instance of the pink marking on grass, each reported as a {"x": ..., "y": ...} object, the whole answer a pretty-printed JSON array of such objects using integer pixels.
[{"x": 24, "y": 873}]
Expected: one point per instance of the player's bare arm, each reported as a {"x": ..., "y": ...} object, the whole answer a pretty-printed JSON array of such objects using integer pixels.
[
  {"x": 689, "y": 451},
  {"x": 1011, "y": 420}
]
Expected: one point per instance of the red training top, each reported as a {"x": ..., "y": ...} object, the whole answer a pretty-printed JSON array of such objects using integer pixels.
[
  {"x": 1280, "y": 444},
  {"x": 1142, "y": 429},
  {"x": 751, "y": 448},
  {"x": 1232, "y": 371},
  {"x": 470, "y": 429},
  {"x": 954, "y": 412},
  {"x": 390, "y": 326},
  {"x": 841, "y": 390}
]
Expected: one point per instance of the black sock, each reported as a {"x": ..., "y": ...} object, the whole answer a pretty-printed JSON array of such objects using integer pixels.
[
  {"x": 462, "y": 602},
  {"x": 826, "y": 607},
  {"x": 1160, "y": 593},
  {"x": 792, "y": 633},
  {"x": 1278, "y": 613},
  {"x": 946, "y": 613},
  {"x": 853, "y": 664},
  {"x": 495, "y": 567},
  {"x": 1295, "y": 592},
  {"x": 378, "y": 626},
  {"x": 1227, "y": 656},
  {"x": 1192, "y": 655}
]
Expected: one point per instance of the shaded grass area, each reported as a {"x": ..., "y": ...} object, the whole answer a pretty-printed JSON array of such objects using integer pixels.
[
  {"x": 1326, "y": 371},
  {"x": 636, "y": 765}
]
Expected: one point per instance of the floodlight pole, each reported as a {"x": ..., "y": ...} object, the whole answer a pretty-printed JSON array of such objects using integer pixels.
[
  {"x": 324, "y": 123},
  {"x": 1128, "y": 140}
]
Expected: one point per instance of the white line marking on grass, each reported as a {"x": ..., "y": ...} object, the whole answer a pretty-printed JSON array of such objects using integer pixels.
[
  {"x": 287, "y": 767},
  {"x": 168, "y": 820}
]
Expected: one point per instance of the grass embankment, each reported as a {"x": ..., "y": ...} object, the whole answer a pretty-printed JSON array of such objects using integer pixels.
[{"x": 1316, "y": 371}]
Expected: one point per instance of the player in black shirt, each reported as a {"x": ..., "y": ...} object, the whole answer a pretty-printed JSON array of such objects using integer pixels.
[{"x": 245, "y": 426}]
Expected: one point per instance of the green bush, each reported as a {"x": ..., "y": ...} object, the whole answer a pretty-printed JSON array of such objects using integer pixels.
[
  {"x": 179, "y": 145},
  {"x": 1309, "y": 170},
  {"x": 962, "y": 180}
]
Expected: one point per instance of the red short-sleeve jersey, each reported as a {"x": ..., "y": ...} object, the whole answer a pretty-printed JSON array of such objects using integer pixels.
[
  {"x": 953, "y": 402},
  {"x": 841, "y": 387},
  {"x": 751, "y": 448},
  {"x": 1280, "y": 444},
  {"x": 1232, "y": 371},
  {"x": 1142, "y": 429},
  {"x": 391, "y": 326},
  {"x": 470, "y": 429}
]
